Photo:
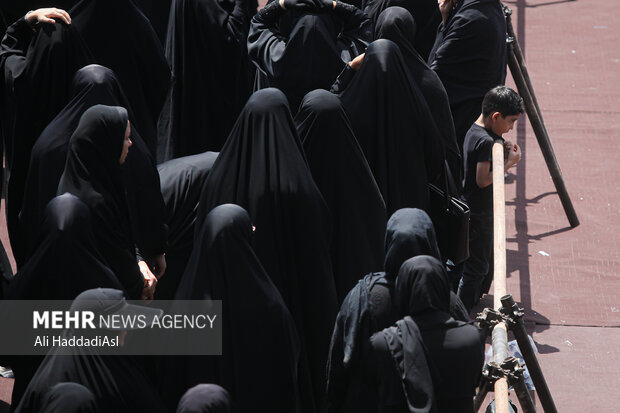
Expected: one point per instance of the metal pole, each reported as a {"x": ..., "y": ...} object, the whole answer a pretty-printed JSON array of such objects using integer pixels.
[
  {"x": 500, "y": 334},
  {"x": 515, "y": 371},
  {"x": 517, "y": 326},
  {"x": 535, "y": 117}
]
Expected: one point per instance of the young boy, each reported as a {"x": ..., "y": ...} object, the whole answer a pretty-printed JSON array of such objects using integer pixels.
[{"x": 501, "y": 107}]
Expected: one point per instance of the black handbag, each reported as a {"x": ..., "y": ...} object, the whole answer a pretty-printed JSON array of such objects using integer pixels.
[{"x": 450, "y": 218}]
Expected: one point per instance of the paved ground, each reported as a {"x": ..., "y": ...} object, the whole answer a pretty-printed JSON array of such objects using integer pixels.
[{"x": 567, "y": 279}]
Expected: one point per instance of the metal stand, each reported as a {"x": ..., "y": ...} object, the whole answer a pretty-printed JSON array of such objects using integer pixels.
[
  {"x": 514, "y": 319},
  {"x": 522, "y": 80}
]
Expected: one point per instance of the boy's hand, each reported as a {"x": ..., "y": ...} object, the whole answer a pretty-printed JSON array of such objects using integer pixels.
[
  {"x": 47, "y": 16},
  {"x": 514, "y": 154}
]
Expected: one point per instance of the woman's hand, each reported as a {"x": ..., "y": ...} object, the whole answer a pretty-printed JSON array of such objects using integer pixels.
[
  {"x": 150, "y": 281},
  {"x": 47, "y": 16},
  {"x": 357, "y": 62}
]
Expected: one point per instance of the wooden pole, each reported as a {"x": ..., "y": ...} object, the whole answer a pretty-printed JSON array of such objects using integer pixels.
[{"x": 500, "y": 334}]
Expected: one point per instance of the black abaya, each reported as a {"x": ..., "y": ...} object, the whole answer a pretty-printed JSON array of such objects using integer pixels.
[
  {"x": 259, "y": 363},
  {"x": 262, "y": 168},
  {"x": 369, "y": 307},
  {"x": 181, "y": 180},
  {"x": 455, "y": 348},
  {"x": 425, "y": 14},
  {"x": 399, "y": 378},
  {"x": 93, "y": 85},
  {"x": 130, "y": 48},
  {"x": 390, "y": 119},
  {"x": 206, "y": 49},
  {"x": 341, "y": 172},
  {"x": 117, "y": 382},
  {"x": 397, "y": 25},
  {"x": 65, "y": 263},
  {"x": 93, "y": 174},
  {"x": 158, "y": 12},
  {"x": 36, "y": 69},
  {"x": 297, "y": 51},
  {"x": 469, "y": 55}
]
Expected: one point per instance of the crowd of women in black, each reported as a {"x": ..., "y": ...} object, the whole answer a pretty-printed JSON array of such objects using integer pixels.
[{"x": 301, "y": 204}]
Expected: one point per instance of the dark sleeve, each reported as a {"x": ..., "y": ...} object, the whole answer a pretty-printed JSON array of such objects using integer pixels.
[
  {"x": 356, "y": 31},
  {"x": 460, "y": 39},
  {"x": 484, "y": 149},
  {"x": 343, "y": 80},
  {"x": 237, "y": 22},
  {"x": 266, "y": 45},
  {"x": 17, "y": 38}
]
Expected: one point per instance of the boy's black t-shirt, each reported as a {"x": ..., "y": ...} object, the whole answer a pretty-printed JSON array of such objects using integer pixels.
[{"x": 477, "y": 147}]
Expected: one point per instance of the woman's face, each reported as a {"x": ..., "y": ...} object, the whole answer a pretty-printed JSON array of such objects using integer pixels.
[{"x": 126, "y": 144}]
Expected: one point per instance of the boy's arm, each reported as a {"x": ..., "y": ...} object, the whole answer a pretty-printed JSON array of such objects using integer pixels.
[{"x": 484, "y": 174}]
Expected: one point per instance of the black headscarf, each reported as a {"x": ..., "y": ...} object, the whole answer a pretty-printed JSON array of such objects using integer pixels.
[
  {"x": 181, "y": 181},
  {"x": 298, "y": 52},
  {"x": 206, "y": 49},
  {"x": 205, "y": 398},
  {"x": 385, "y": 107},
  {"x": 66, "y": 261},
  {"x": 455, "y": 348},
  {"x": 117, "y": 382},
  {"x": 341, "y": 172},
  {"x": 262, "y": 168},
  {"x": 424, "y": 12},
  {"x": 36, "y": 68},
  {"x": 68, "y": 398},
  {"x": 130, "y": 47},
  {"x": 397, "y": 25},
  {"x": 93, "y": 174},
  {"x": 410, "y": 241},
  {"x": 259, "y": 364},
  {"x": 93, "y": 85}
]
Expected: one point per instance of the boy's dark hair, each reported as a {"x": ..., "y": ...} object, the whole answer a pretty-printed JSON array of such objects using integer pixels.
[{"x": 502, "y": 99}]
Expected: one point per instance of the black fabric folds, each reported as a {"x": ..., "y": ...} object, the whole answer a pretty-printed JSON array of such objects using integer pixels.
[
  {"x": 425, "y": 14},
  {"x": 390, "y": 119},
  {"x": 262, "y": 168},
  {"x": 68, "y": 398},
  {"x": 398, "y": 363},
  {"x": 36, "y": 68},
  {"x": 132, "y": 50},
  {"x": 298, "y": 51},
  {"x": 259, "y": 365},
  {"x": 469, "y": 55},
  {"x": 93, "y": 85},
  {"x": 397, "y": 25},
  {"x": 158, "y": 12},
  {"x": 181, "y": 181},
  {"x": 341, "y": 172},
  {"x": 455, "y": 349},
  {"x": 93, "y": 174},
  {"x": 206, "y": 49},
  {"x": 117, "y": 382},
  {"x": 205, "y": 398}
]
